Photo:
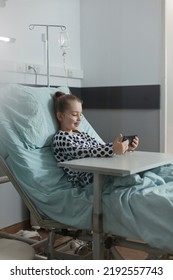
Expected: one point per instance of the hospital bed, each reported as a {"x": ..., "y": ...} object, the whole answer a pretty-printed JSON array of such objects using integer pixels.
[{"x": 137, "y": 208}]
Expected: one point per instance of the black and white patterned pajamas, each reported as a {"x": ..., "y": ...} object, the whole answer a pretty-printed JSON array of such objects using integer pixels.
[{"x": 67, "y": 146}]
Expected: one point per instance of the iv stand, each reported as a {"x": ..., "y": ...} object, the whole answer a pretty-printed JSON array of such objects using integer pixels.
[{"x": 47, "y": 26}]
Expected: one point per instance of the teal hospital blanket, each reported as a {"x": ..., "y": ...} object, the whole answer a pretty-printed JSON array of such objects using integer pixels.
[{"x": 138, "y": 206}]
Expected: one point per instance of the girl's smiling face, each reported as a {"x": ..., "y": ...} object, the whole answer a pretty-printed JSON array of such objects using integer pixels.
[{"x": 70, "y": 119}]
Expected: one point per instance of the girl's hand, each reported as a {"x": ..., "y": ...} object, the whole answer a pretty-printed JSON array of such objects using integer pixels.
[
  {"x": 134, "y": 144},
  {"x": 120, "y": 147}
]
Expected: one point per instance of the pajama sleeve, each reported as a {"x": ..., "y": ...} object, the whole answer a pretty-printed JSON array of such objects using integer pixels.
[{"x": 82, "y": 147}]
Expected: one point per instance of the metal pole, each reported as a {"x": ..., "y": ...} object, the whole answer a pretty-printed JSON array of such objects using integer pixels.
[
  {"x": 62, "y": 27},
  {"x": 47, "y": 56}
]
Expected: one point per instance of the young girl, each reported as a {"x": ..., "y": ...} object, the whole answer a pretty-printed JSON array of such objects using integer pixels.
[{"x": 69, "y": 143}]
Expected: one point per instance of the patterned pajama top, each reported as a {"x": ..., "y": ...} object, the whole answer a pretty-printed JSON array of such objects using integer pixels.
[{"x": 67, "y": 146}]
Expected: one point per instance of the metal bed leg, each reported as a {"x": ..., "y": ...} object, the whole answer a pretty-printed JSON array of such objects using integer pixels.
[{"x": 50, "y": 244}]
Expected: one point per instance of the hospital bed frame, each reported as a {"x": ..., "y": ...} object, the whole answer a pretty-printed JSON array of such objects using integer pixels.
[
  {"x": 53, "y": 228},
  {"x": 110, "y": 244}
]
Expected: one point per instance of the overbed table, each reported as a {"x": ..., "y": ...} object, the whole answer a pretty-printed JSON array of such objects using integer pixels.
[{"x": 119, "y": 165}]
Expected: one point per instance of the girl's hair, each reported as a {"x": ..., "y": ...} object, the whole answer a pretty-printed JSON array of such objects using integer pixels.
[{"x": 62, "y": 101}]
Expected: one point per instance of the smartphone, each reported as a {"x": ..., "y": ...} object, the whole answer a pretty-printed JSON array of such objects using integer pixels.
[{"x": 130, "y": 138}]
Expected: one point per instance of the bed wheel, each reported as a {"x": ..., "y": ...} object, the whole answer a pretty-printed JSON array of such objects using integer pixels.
[{"x": 108, "y": 242}]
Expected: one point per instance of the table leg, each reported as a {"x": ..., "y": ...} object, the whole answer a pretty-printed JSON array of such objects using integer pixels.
[{"x": 98, "y": 218}]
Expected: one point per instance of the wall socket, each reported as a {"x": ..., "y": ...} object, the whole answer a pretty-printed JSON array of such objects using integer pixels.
[
  {"x": 30, "y": 68},
  {"x": 70, "y": 73}
]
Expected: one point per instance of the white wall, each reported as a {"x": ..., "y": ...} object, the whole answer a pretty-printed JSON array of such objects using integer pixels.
[
  {"x": 169, "y": 75},
  {"x": 12, "y": 209},
  {"x": 122, "y": 44},
  {"x": 15, "y": 19}
]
